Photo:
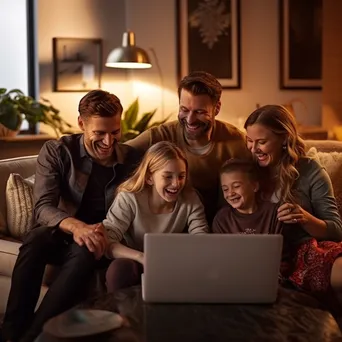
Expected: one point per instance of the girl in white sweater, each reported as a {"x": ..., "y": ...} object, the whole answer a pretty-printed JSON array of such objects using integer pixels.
[{"x": 155, "y": 199}]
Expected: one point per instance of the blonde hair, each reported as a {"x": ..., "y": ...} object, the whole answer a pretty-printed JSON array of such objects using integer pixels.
[
  {"x": 154, "y": 159},
  {"x": 282, "y": 123}
]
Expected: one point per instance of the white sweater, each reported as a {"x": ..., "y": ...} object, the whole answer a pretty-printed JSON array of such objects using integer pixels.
[{"x": 130, "y": 217}]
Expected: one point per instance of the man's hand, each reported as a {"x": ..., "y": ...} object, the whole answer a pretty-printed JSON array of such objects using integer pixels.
[{"x": 93, "y": 236}]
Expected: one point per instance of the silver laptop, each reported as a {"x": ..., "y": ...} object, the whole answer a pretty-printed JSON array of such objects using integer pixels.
[{"x": 211, "y": 268}]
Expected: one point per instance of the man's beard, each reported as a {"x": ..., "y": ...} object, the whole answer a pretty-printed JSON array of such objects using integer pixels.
[{"x": 203, "y": 129}]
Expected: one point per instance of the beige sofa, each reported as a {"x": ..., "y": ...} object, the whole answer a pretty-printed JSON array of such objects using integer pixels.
[
  {"x": 9, "y": 247},
  {"x": 26, "y": 167}
]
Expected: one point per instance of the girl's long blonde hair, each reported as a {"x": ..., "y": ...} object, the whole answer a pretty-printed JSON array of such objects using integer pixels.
[
  {"x": 282, "y": 123},
  {"x": 154, "y": 159}
]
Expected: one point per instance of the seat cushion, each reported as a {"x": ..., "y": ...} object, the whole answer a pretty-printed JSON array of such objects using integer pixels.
[
  {"x": 9, "y": 250},
  {"x": 8, "y": 255}
]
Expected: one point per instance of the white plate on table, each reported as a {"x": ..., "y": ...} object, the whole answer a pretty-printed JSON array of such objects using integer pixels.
[{"x": 78, "y": 323}]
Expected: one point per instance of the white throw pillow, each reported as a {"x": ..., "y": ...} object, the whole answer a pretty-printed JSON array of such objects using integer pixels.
[
  {"x": 332, "y": 162},
  {"x": 19, "y": 202}
]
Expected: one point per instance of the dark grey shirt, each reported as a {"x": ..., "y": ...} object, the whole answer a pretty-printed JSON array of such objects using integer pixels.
[{"x": 62, "y": 173}]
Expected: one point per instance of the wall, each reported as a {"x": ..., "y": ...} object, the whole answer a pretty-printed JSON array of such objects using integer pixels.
[
  {"x": 80, "y": 19},
  {"x": 332, "y": 64},
  {"x": 154, "y": 24},
  {"x": 13, "y": 42},
  {"x": 259, "y": 61}
]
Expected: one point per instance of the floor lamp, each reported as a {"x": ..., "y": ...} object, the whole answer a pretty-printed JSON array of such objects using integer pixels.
[{"x": 130, "y": 56}]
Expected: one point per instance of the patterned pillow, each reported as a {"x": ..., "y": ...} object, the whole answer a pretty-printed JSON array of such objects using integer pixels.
[
  {"x": 332, "y": 162},
  {"x": 19, "y": 202}
]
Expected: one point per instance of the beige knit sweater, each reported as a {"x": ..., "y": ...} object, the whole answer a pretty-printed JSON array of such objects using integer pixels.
[{"x": 130, "y": 218}]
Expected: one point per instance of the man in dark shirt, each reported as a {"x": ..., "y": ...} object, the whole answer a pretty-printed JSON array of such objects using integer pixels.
[{"x": 76, "y": 178}]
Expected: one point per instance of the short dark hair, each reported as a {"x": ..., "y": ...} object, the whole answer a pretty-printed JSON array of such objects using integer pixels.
[
  {"x": 241, "y": 165},
  {"x": 99, "y": 103},
  {"x": 201, "y": 83}
]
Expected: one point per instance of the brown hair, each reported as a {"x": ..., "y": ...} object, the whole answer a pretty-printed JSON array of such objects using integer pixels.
[
  {"x": 99, "y": 103},
  {"x": 201, "y": 83},
  {"x": 154, "y": 159},
  {"x": 241, "y": 165},
  {"x": 282, "y": 123}
]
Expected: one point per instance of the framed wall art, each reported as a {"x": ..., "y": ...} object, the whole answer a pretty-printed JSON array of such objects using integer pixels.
[
  {"x": 208, "y": 39},
  {"x": 300, "y": 44},
  {"x": 77, "y": 64}
]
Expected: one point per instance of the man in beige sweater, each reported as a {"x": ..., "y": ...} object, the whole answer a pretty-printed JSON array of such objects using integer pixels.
[{"x": 207, "y": 142}]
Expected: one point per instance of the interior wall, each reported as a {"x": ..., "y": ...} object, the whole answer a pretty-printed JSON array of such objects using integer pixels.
[
  {"x": 103, "y": 19},
  {"x": 154, "y": 23},
  {"x": 332, "y": 64},
  {"x": 259, "y": 60}
]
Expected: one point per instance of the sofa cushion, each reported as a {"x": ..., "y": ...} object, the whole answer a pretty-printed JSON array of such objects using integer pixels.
[
  {"x": 8, "y": 255},
  {"x": 332, "y": 162},
  {"x": 9, "y": 250},
  {"x": 25, "y": 166},
  {"x": 19, "y": 202}
]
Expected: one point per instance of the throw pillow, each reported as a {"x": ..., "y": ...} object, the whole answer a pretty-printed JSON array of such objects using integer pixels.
[
  {"x": 332, "y": 162},
  {"x": 3, "y": 225},
  {"x": 19, "y": 202}
]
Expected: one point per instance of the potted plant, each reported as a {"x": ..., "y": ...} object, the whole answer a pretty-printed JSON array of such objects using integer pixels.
[
  {"x": 15, "y": 106},
  {"x": 132, "y": 126}
]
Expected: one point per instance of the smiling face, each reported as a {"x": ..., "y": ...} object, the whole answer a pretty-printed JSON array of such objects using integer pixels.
[
  {"x": 100, "y": 136},
  {"x": 239, "y": 191},
  {"x": 266, "y": 146},
  {"x": 197, "y": 116},
  {"x": 169, "y": 181}
]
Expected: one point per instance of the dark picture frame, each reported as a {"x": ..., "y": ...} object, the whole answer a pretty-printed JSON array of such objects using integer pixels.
[
  {"x": 212, "y": 48},
  {"x": 300, "y": 28},
  {"x": 77, "y": 64}
]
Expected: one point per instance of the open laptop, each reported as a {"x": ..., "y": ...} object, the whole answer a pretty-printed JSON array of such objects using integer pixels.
[{"x": 211, "y": 268}]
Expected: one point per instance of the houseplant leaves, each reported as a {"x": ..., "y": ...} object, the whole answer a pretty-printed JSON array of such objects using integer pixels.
[{"x": 132, "y": 125}]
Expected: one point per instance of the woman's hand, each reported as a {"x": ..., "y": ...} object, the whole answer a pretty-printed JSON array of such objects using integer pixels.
[{"x": 292, "y": 213}]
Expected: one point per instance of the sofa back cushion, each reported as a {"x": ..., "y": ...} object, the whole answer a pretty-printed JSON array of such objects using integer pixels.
[
  {"x": 324, "y": 145},
  {"x": 332, "y": 162},
  {"x": 26, "y": 167}
]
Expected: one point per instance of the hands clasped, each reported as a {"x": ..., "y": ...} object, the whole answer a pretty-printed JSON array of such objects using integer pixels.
[
  {"x": 292, "y": 213},
  {"x": 93, "y": 236}
]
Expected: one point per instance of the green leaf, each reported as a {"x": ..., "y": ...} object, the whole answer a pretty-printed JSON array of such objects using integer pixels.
[
  {"x": 124, "y": 127},
  {"x": 144, "y": 121},
  {"x": 15, "y": 104},
  {"x": 130, "y": 134},
  {"x": 10, "y": 117},
  {"x": 131, "y": 114}
]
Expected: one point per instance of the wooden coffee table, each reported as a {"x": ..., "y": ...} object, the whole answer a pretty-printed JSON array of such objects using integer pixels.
[{"x": 294, "y": 317}]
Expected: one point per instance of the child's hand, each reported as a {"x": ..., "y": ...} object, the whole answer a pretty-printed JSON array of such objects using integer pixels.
[
  {"x": 291, "y": 213},
  {"x": 141, "y": 258}
]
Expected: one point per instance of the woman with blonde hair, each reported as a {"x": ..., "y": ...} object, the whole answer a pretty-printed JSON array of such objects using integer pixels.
[
  {"x": 304, "y": 190},
  {"x": 156, "y": 198}
]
